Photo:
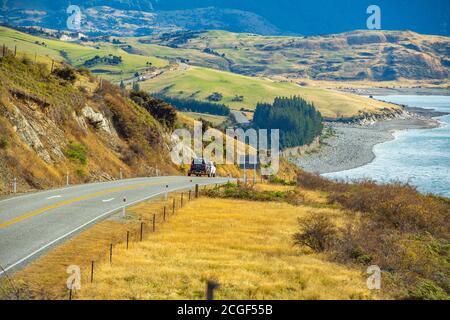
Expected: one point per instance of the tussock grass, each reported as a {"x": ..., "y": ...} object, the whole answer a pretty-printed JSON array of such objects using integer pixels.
[
  {"x": 46, "y": 277},
  {"x": 246, "y": 246}
]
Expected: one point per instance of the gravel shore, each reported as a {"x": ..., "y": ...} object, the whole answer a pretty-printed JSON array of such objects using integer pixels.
[{"x": 352, "y": 146}]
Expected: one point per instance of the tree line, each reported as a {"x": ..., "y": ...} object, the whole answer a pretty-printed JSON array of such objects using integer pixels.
[
  {"x": 298, "y": 121},
  {"x": 191, "y": 105}
]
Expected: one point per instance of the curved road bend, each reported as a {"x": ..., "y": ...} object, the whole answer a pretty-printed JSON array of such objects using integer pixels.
[{"x": 32, "y": 224}]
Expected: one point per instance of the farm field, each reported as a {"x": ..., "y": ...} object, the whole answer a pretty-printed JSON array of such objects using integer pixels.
[{"x": 199, "y": 83}]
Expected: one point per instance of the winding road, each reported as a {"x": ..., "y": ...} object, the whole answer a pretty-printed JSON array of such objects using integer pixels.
[{"x": 32, "y": 224}]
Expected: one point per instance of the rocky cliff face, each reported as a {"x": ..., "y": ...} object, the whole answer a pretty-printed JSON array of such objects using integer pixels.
[{"x": 49, "y": 128}]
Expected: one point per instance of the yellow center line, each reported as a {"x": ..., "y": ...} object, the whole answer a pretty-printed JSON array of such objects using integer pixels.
[{"x": 71, "y": 201}]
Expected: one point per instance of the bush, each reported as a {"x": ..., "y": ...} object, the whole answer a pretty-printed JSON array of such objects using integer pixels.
[
  {"x": 76, "y": 151},
  {"x": 427, "y": 290},
  {"x": 317, "y": 232},
  {"x": 160, "y": 110},
  {"x": 245, "y": 192},
  {"x": 66, "y": 73},
  {"x": 3, "y": 142},
  {"x": 396, "y": 206}
]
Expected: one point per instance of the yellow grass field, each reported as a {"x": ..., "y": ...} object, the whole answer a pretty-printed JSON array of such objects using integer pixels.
[{"x": 245, "y": 246}]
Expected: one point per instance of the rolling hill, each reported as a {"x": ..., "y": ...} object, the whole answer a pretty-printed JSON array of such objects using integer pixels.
[
  {"x": 77, "y": 55},
  {"x": 199, "y": 83},
  {"x": 357, "y": 55}
]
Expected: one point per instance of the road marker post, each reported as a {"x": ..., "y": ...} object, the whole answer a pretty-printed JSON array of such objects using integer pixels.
[
  {"x": 120, "y": 174},
  {"x": 15, "y": 185},
  {"x": 124, "y": 209},
  {"x": 67, "y": 179}
]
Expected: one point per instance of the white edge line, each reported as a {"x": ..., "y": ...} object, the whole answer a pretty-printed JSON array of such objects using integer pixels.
[
  {"x": 44, "y": 192},
  {"x": 85, "y": 225}
]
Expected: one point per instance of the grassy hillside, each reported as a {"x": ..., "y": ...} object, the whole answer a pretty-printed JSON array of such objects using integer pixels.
[
  {"x": 199, "y": 83},
  {"x": 358, "y": 55},
  {"x": 76, "y": 54},
  {"x": 50, "y": 126},
  {"x": 250, "y": 254}
]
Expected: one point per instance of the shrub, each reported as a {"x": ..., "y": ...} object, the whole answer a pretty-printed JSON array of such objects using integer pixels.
[
  {"x": 77, "y": 152},
  {"x": 396, "y": 206},
  {"x": 66, "y": 73},
  {"x": 245, "y": 192},
  {"x": 84, "y": 71},
  {"x": 3, "y": 142},
  {"x": 317, "y": 232},
  {"x": 160, "y": 110},
  {"x": 427, "y": 290},
  {"x": 216, "y": 97}
]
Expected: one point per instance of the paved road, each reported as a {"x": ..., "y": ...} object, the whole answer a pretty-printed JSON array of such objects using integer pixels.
[
  {"x": 32, "y": 224},
  {"x": 240, "y": 117}
]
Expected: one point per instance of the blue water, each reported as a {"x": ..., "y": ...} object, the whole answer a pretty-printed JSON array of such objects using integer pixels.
[{"x": 420, "y": 157}]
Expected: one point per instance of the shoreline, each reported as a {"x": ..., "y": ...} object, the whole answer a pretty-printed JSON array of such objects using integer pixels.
[{"x": 353, "y": 145}]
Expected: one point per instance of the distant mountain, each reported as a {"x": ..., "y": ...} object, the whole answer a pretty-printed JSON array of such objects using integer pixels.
[
  {"x": 136, "y": 18},
  {"x": 302, "y": 17},
  {"x": 357, "y": 55}
]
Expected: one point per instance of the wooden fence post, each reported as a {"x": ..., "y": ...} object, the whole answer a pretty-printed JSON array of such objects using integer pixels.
[
  {"x": 92, "y": 271},
  {"x": 128, "y": 238},
  {"x": 210, "y": 287},
  {"x": 142, "y": 231},
  {"x": 110, "y": 253},
  {"x": 154, "y": 222},
  {"x": 196, "y": 191},
  {"x": 173, "y": 207}
]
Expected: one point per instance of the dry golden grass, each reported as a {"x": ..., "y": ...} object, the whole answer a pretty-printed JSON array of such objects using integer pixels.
[
  {"x": 245, "y": 246},
  {"x": 46, "y": 277}
]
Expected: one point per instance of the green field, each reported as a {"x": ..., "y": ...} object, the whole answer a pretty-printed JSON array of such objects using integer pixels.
[
  {"x": 199, "y": 83},
  {"x": 76, "y": 54}
]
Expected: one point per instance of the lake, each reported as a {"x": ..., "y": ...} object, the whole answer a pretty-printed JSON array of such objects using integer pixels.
[{"x": 419, "y": 157}]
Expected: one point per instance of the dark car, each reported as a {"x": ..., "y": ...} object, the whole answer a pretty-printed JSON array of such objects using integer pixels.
[{"x": 200, "y": 167}]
